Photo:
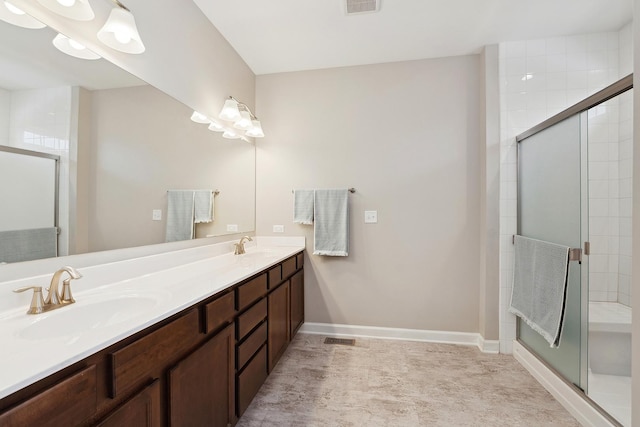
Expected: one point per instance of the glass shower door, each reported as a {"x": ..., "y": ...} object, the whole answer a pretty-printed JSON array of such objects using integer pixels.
[{"x": 550, "y": 195}]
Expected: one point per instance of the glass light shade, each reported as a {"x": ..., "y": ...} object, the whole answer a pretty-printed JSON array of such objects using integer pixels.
[
  {"x": 14, "y": 15},
  {"x": 230, "y": 111},
  {"x": 80, "y": 10},
  {"x": 73, "y": 48},
  {"x": 256, "y": 130},
  {"x": 120, "y": 32},
  {"x": 216, "y": 127},
  {"x": 200, "y": 118},
  {"x": 231, "y": 134},
  {"x": 244, "y": 122}
]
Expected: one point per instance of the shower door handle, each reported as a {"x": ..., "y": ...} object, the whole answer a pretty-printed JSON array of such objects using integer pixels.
[{"x": 587, "y": 248}]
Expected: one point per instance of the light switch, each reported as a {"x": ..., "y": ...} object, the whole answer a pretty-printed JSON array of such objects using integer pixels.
[
  {"x": 370, "y": 217},
  {"x": 232, "y": 227},
  {"x": 156, "y": 215},
  {"x": 278, "y": 228}
]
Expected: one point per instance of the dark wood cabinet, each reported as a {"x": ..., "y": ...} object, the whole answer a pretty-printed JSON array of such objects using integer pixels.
[
  {"x": 202, "y": 385},
  {"x": 68, "y": 403},
  {"x": 142, "y": 410},
  {"x": 199, "y": 367},
  {"x": 296, "y": 291},
  {"x": 278, "y": 321}
]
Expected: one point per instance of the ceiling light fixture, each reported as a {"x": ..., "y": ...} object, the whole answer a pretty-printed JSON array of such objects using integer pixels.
[
  {"x": 13, "y": 15},
  {"x": 235, "y": 119},
  {"x": 80, "y": 10},
  {"x": 73, "y": 48},
  {"x": 120, "y": 31}
]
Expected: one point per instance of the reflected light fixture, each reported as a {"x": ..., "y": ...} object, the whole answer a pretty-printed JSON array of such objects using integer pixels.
[
  {"x": 80, "y": 10},
  {"x": 216, "y": 127},
  {"x": 14, "y": 15},
  {"x": 120, "y": 31},
  {"x": 235, "y": 119},
  {"x": 73, "y": 48},
  {"x": 200, "y": 118}
]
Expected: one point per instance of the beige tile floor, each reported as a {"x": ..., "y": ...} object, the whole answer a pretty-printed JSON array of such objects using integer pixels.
[{"x": 399, "y": 383}]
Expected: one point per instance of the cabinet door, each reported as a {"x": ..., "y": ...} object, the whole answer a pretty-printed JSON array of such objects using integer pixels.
[
  {"x": 297, "y": 302},
  {"x": 202, "y": 386},
  {"x": 278, "y": 321},
  {"x": 142, "y": 410}
]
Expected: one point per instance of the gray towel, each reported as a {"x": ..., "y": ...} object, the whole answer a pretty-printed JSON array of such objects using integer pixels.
[
  {"x": 180, "y": 215},
  {"x": 27, "y": 245},
  {"x": 303, "y": 206},
  {"x": 203, "y": 206},
  {"x": 540, "y": 286},
  {"x": 331, "y": 216}
]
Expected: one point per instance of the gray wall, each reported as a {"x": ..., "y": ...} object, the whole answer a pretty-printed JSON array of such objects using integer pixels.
[{"x": 407, "y": 137}]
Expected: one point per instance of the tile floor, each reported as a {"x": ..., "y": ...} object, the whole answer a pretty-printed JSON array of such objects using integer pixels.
[{"x": 399, "y": 383}]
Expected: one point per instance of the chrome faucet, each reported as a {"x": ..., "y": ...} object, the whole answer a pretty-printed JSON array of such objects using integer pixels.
[
  {"x": 240, "y": 245},
  {"x": 56, "y": 298}
]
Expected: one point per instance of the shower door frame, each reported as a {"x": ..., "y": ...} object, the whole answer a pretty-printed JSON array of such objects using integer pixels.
[{"x": 581, "y": 108}]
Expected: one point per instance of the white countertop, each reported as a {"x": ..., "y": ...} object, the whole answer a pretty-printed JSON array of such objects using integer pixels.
[{"x": 116, "y": 300}]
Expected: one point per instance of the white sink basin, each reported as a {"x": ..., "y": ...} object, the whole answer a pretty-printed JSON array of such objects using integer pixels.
[{"x": 72, "y": 321}]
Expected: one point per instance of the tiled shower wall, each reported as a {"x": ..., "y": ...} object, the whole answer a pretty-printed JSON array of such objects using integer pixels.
[{"x": 539, "y": 78}]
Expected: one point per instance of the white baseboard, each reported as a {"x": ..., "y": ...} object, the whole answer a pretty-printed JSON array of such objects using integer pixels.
[
  {"x": 460, "y": 338},
  {"x": 572, "y": 401}
]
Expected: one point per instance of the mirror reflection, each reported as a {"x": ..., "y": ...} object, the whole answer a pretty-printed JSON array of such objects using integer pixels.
[{"x": 122, "y": 146}]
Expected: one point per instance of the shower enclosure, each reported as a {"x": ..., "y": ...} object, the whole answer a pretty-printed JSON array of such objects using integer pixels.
[{"x": 574, "y": 189}]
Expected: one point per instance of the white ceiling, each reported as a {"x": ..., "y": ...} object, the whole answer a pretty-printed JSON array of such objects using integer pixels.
[{"x": 275, "y": 36}]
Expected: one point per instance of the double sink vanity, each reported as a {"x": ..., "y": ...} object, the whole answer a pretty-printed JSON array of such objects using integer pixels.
[{"x": 178, "y": 338}]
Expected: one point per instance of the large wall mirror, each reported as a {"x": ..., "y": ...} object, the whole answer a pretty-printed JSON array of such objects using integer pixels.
[{"x": 122, "y": 145}]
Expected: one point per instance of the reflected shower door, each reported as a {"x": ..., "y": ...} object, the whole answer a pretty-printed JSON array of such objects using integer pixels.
[{"x": 549, "y": 208}]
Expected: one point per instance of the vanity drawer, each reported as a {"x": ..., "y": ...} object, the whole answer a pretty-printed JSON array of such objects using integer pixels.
[
  {"x": 250, "y": 380},
  {"x": 219, "y": 312},
  {"x": 250, "y": 319},
  {"x": 288, "y": 267},
  {"x": 251, "y": 291},
  {"x": 137, "y": 362},
  {"x": 275, "y": 276},
  {"x": 251, "y": 345},
  {"x": 67, "y": 403}
]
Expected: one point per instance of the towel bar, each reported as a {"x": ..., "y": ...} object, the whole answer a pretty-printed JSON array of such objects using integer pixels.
[
  {"x": 575, "y": 254},
  {"x": 351, "y": 190}
]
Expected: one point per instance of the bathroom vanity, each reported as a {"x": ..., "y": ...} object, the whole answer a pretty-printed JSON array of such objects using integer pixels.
[{"x": 199, "y": 363}]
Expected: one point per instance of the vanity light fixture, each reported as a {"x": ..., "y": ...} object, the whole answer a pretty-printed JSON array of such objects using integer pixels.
[
  {"x": 242, "y": 118},
  {"x": 120, "y": 31},
  {"x": 73, "y": 48},
  {"x": 14, "y": 15},
  {"x": 216, "y": 127},
  {"x": 235, "y": 119},
  {"x": 200, "y": 118},
  {"x": 230, "y": 111},
  {"x": 80, "y": 10}
]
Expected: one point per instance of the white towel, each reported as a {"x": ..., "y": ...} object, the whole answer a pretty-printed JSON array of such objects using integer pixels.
[
  {"x": 180, "y": 215},
  {"x": 203, "y": 206},
  {"x": 303, "y": 206},
  {"x": 331, "y": 216},
  {"x": 27, "y": 245},
  {"x": 540, "y": 286}
]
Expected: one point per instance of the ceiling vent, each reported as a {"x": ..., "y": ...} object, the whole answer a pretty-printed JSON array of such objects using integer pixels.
[{"x": 362, "y": 6}]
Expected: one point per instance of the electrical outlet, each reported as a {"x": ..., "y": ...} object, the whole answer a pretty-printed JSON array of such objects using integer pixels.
[
  {"x": 156, "y": 215},
  {"x": 232, "y": 227},
  {"x": 370, "y": 217},
  {"x": 278, "y": 228}
]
